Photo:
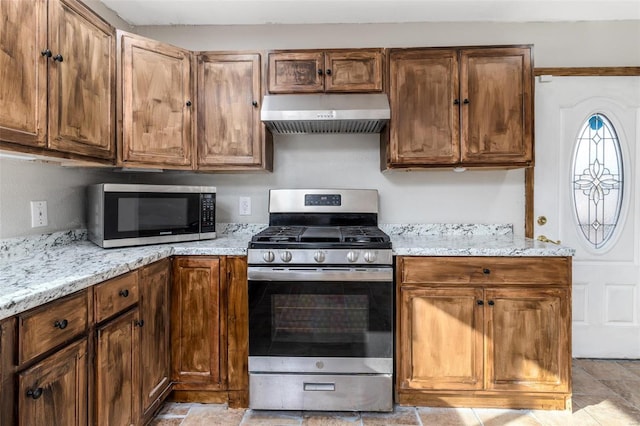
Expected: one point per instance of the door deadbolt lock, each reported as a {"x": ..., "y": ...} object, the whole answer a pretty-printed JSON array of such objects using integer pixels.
[{"x": 542, "y": 220}]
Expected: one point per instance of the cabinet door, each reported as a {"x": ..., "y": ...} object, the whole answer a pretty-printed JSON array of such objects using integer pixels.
[
  {"x": 527, "y": 339},
  {"x": 229, "y": 128},
  {"x": 197, "y": 325},
  {"x": 238, "y": 331},
  {"x": 117, "y": 365},
  {"x": 440, "y": 339},
  {"x": 23, "y": 72},
  {"x": 54, "y": 391},
  {"x": 156, "y": 104},
  {"x": 154, "y": 332},
  {"x": 423, "y": 89},
  {"x": 81, "y": 81},
  {"x": 354, "y": 71},
  {"x": 296, "y": 72},
  {"x": 496, "y": 90}
]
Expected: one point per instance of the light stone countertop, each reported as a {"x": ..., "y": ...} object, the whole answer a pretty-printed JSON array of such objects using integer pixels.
[{"x": 37, "y": 270}]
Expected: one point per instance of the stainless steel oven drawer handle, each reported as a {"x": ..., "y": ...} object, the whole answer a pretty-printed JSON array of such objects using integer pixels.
[
  {"x": 327, "y": 387},
  {"x": 311, "y": 274}
]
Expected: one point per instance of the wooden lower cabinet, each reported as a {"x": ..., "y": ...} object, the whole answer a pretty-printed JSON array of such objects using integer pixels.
[
  {"x": 469, "y": 336},
  {"x": 180, "y": 327},
  {"x": 155, "y": 345},
  {"x": 117, "y": 364},
  {"x": 209, "y": 329},
  {"x": 197, "y": 318},
  {"x": 54, "y": 391}
]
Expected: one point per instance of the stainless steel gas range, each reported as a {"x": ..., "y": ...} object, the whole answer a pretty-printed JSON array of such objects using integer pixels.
[{"x": 321, "y": 304}]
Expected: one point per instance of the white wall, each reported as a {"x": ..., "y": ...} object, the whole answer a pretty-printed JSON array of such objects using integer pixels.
[
  {"x": 335, "y": 161},
  {"x": 613, "y": 43}
]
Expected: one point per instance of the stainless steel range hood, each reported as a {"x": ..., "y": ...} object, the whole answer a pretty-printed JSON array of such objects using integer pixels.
[{"x": 326, "y": 113}]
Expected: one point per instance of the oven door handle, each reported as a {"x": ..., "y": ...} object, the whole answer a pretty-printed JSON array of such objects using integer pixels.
[{"x": 257, "y": 273}]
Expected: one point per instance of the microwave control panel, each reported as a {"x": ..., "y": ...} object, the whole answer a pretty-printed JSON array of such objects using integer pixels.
[{"x": 208, "y": 213}]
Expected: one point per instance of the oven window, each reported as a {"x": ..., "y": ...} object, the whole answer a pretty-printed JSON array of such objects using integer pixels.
[
  {"x": 340, "y": 319},
  {"x": 319, "y": 318}
]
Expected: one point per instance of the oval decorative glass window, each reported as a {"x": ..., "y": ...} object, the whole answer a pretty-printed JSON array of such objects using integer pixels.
[{"x": 597, "y": 180}]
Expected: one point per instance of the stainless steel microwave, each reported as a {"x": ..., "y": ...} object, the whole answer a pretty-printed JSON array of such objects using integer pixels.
[{"x": 120, "y": 215}]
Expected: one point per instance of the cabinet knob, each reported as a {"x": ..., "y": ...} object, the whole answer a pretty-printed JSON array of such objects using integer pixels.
[
  {"x": 491, "y": 303},
  {"x": 188, "y": 103},
  {"x": 46, "y": 52},
  {"x": 328, "y": 71},
  {"x": 456, "y": 101},
  {"x": 319, "y": 72},
  {"x": 35, "y": 393},
  {"x": 254, "y": 103},
  {"x": 138, "y": 323},
  {"x": 486, "y": 271},
  {"x": 124, "y": 293},
  {"x": 480, "y": 302},
  {"x": 466, "y": 101},
  {"x": 58, "y": 58},
  {"x": 61, "y": 324}
]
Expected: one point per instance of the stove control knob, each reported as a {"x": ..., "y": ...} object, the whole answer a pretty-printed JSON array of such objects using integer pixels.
[
  {"x": 286, "y": 256},
  {"x": 268, "y": 256},
  {"x": 370, "y": 256},
  {"x": 352, "y": 256},
  {"x": 319, "y": 256}
]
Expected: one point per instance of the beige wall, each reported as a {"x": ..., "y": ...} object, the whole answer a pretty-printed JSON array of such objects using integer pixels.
[{"x": 328, "y": 161}]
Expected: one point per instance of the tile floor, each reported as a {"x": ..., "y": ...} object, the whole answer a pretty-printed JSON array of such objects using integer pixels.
[{"x": 605, "y": 392}]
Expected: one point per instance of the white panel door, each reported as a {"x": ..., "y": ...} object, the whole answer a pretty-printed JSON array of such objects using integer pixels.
[{"x": 606, "y": 280}]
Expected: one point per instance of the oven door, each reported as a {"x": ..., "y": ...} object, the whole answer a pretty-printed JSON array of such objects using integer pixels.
[{"x": 298, "y": 314}]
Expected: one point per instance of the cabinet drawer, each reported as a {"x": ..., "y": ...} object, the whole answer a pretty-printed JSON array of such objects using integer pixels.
[
  {"x": 115, "y": 295},
  {"x": 51, "y": 325},
  {"x": 485, "y": 270}
]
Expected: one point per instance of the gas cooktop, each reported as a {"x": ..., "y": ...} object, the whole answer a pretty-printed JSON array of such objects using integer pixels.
[{"x": 320, "y": 236}]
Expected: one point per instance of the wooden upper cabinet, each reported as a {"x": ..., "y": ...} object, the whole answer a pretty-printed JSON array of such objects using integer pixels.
[
  {"x": 155, "y": 85},
  {"x": 496, "y": 92},
  {"x": 341, "y": 70},
  {"x": 353, "y": 71},
  {"x": 75, "y": 51},
  {"x": 470, "y": 107},
  {"x": 424, "y": 118},
  {"x": 230, "y": 135},
  {"x": 81, "y": 81},
  {"x": 23, "y": 35}
]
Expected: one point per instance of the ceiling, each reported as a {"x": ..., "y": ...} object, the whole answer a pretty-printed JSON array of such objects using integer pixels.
[{"x": 254, "y": 12}]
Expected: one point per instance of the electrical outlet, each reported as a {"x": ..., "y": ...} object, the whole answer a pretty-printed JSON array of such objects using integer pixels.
[
  {"x": 39, "y": 214},
  {"x": 244, "y": 206}
]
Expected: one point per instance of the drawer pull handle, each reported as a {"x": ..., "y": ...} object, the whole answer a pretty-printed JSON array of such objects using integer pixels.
[
  {"x": 35, "y": 393},
  {"x": 480, "y": 302},
  {"x": 491, "y": 303},
  {"x": 61, "y": 324},
  {"x": 138, "y": 323},
  {"x": 58, "y": 58},
  {"x": 486, "y": 271},
  {"x": 323, "y": 387},
  {"x": 124, "y": 293}
]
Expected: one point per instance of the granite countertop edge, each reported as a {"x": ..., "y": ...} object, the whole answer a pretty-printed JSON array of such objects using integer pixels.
[{"x": 52, "y": 271}]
